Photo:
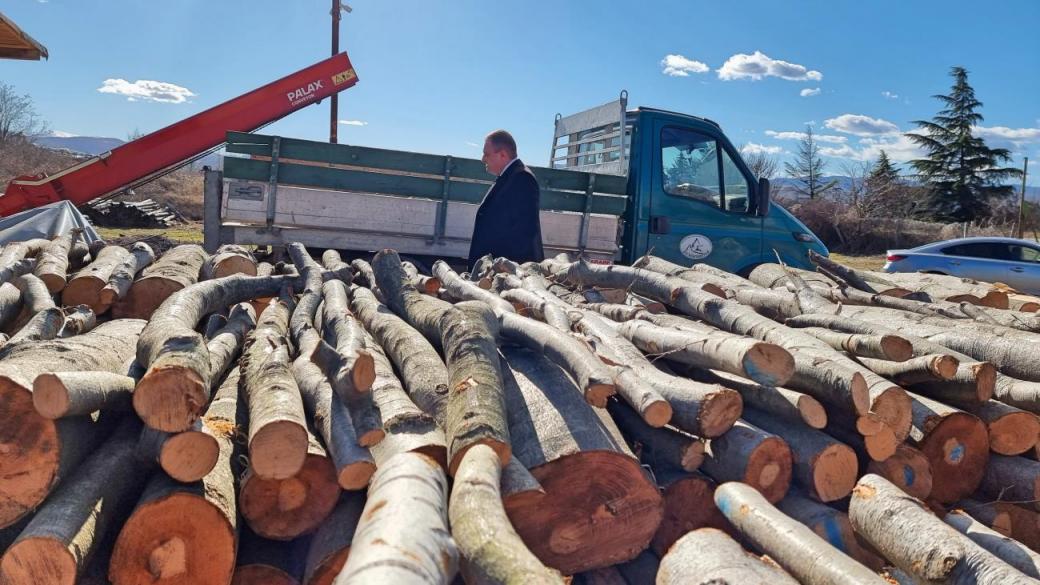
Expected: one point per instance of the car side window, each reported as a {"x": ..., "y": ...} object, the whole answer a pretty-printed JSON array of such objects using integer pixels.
[
  {"x": 988, "y": 250},
  {"x": 690, "y": 165},
  {"x": 735, "y": 185},
  {"x": 1025, "y": 254}
]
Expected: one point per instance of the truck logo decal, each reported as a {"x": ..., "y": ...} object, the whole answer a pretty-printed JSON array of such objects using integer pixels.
[
  {"x": 695, "y": 246},
  {"x": 343, "y": 77},
  {"x": 304, "y": 93}
]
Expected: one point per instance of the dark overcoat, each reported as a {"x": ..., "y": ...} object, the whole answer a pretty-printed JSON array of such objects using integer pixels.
[{"x": 507, "y": 221}]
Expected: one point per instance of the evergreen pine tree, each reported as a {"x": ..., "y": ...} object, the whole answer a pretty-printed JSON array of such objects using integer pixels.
[
  {"x": 962, "y": 174},
  {"x": 807, "y": 168}
]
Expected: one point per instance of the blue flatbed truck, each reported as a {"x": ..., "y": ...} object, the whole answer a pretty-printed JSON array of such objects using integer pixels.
[{"x": 620, "y": 183}]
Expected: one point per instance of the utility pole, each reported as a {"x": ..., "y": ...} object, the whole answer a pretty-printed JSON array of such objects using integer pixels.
[
  {"x": 337, "y": 7},
  {"x": 1022, "y": 197}
]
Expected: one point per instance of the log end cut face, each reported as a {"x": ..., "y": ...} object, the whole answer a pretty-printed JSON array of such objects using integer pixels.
[
  {"x": 30, "y": 451},
  {"x": 40, "y": 561},
  {"x": 719, "y": 411},
  {"x": 286, "y": 508},
  {"x": 768, "y": 364},
  {"x": 144, "y": 298},
  {"x": 189, "y": 456},
  {"x": 834, "y": 472},
  {"x": 1014, "y": 433},
  {"x": 278, "y": 450},
  {"x": 325, "y": 572},
  {"x": 958, "y": 450},
  {"x": 180, "y": 539},
  {"x": 688, "y": 505},
  {"x": 262, "y": 575},
  {"x": 768, "y": 469},
  {"x": 598, "y": 509},
  {"x": 170, "y": 398},
  {"x": 50, "y": 396}
]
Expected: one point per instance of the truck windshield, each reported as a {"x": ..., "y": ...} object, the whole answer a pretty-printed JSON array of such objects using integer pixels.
[{"x": 696, "y": 167}]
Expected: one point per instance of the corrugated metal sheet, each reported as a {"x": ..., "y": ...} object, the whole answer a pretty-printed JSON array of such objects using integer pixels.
[{"x": 15, "y": 44}]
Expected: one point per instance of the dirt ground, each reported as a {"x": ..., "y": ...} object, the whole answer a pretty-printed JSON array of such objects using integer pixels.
[{"x": 872, "y": 262}]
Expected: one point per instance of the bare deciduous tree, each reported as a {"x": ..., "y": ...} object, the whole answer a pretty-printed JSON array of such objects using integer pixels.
[
  {"x": 762, "y": 164},
  {"x": 18, "y": 117}
]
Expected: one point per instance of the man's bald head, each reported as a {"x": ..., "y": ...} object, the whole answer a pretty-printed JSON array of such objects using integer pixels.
[{"x": 499, "y": 149}]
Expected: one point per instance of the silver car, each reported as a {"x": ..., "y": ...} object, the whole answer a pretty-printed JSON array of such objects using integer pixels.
[{"x": 1008, "y": 260}]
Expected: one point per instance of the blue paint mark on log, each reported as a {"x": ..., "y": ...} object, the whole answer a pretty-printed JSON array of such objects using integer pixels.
[
  {"x": 908, "y": 475},
  {"x": 833, "y": 531},
  {"x": 957, "y": 453}
]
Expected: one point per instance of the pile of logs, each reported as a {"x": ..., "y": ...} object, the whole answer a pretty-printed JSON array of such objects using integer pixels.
[
  {"x": 132, "y": 214},
  {"x": 213, "y": 419}
]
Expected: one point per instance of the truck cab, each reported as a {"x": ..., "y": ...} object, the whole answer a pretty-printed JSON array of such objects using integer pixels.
[{"x": 691, "y": 196}]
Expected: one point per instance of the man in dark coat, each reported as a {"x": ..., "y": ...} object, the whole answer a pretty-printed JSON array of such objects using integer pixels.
[{"x": 507, "y": 221}]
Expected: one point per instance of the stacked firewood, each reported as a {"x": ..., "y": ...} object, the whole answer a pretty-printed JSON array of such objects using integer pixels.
[
  {"x": 132, "y": 214},
  {"x": 213, "y": 419}
]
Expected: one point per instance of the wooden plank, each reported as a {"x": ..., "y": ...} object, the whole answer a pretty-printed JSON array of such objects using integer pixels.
[
  {"x": 412, "y": 162},
  {"x": 379, "y": 215}
]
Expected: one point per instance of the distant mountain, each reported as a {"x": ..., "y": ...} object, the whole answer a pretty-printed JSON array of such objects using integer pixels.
[
  {"x": 89, "y": 145},
  {"x": 785, "y": 186}
]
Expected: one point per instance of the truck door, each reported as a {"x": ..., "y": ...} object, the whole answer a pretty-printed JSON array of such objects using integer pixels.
[{"x": 699, "y": 201}]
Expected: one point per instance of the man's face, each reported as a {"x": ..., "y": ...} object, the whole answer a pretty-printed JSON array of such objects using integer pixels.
[{"x": 494, "y": 160}]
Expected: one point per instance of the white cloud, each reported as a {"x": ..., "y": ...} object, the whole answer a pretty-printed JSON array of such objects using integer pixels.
[
  {"x": 753, "y": 148},
  {"x": 1016, "y": 136},
  {"x": 830, "y": 138},
  {"x": 353, "y": 122},
  {"x": 759, "y": 65},
  {"x": 679, "y": 66},
  {"x": 889, "y": 95},
  {"x": 898, "y": 147},
  {"x": 860, "y": 125},
  {"x": 809, "y": 92},
  {"x": 147, "y": 90},
  {"x": 60, "y": 134}
]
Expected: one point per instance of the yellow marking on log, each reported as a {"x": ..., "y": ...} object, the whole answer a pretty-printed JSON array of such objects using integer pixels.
[
  {"x": 466, "y": 384},
  {"x": 864, "y": 491}
]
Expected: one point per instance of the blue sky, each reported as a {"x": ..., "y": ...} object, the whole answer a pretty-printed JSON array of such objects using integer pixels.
[{"x": 437, "y": 76}]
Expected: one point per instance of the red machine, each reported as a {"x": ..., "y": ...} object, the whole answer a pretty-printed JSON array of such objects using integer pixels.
[{"x": 163, "y": 149}]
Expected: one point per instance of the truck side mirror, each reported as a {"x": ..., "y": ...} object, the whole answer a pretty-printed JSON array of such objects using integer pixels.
[{"x": 764, "y": 199}]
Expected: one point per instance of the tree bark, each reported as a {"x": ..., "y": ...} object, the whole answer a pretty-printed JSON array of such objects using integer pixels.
[
  {"x": 61, "y": 394},
  {"x": 397, "y": 541},
  {"x": 658, "y": 447},
  {"x": 753, "y": 456},
  {"x": 529, "y": 303},
  {"x": 795, "y": 547},
  {"x": 52, "y": 262},
  {"x": 908, "y": 469},
  {"x": 284, "y": 509},
  {"x": 85, "y": 287},
  {"x": 826, "y": 468},
  {"x": 122, "y": 277},
  {"x": 461, "y": 288},
  {"x": 10, "y": 304},
  {"x": 882, "y": 347},
  {"x": 36, "y": 452},
  {"x": 698, "y": 273},
  {"x": 1005, "y": 548},
  {"x": 1008, "y": 519},
  {"x": 708, "y": 555},
  {"x": 765, "y": 363},
  {"x": 330, "y": 546},
  {"x": 35, "y": 299},
  {"x": 229, "y": 259},
  {"x": 579, "y": 458},
  {"x": 78, "y": 320},
  {"x": 421, "y": 311},
  {"x": 907, "y": 534},
  {"x": 831, "y": 525},
  {"x": 918, "y": 370},
  {"x": 491, "y": 550},
  {"x": 1011, "y": 431},
  {"x": 262, "y": 561},
  {"x": 349, "y": 365},
  {"x": 65, "y": 532},
  {"x": 785, "y": 404},
  {"x": 185, "y": 532},
  {"x": 176, "y": 270},
  {"x": 1012, "y": 479},
  {"x": 955, "y": 444},
  {"x": 13, "y": 256}
]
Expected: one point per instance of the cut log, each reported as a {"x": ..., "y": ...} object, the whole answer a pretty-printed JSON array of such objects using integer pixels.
[
  {"x": 277, "y": 424},
  {"x": 492, "y": 551},
  {"x": 461, "y": 288},
  {"x": 184, "y": 532},
  {"x": 421, "y": 311},
  {"x": 35, "y": 298},
  {"x": 1012, "y": 479},
  {"x": 422, "y": 371},
  {"x": 918, "y": 370},
  {"x": 397, "y": 541},
  {"x": 78, "y": 320},
  {"x": 176, "y": 387},
  {"x": 882, "y": 347},
  {"x": 1008, "y": 519},
  {"x": 330, "y": 545},
  {"x": 705, "y": 410},
  {"x": 122, "y": 276},
  {"x": 225, "y": 344},
  {"x": 13, "y": 255},
  {"x": 229, "y": 259},
  {"x": 186, "y": 456},
  {"x": 753, "y": 456},
  {"x": 826, "y": 468},
  {"x": 594, "y": 378},
  {"x": 176, "y": 270},
  {"x": 579, "y": 458},
  {"x": 36, "y": 452},
  {"x": 43, "y": 326},
  {"x": 688, "y": 505},
  {"x": 708, "y": 555},
  {"x": 284, "y": 509},
  {"x": 427, "y": 284},
  {"x": 765, "y": 363},
  {"x": 1003, "y": 547},
  {"x": 65, "y": 532},
  {"x": 62, "y": 394},
  {"x": 657, "y": 447},
  {"x": 907, "y": 533},
  {"x": 85, "y": 287},
  {"x": 259, "y": 304},
  {"x": 407, "y": 428},
  {"x": 831, "y": 525},
  {"x": 792, "y": 545},
  {"x": 350, "y": 366},
  {"x": 261, "y": 561},
  {"x": 52, "y": 263},
  {"x": 1011, "y": 431},
  {"x": 10, "y": 303},
  {"x": 878, "y": 445},
  {"x": 908, "y": 469},
  {"x": 785, "y": 404},
  {"x": 955, "y": 444},
  {"x": 849, "y": 275},
  {"x": 529, "y": 303},
  {"x": 332, "y": 421}
]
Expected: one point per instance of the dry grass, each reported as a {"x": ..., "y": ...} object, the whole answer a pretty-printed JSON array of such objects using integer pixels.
[
  {"x": 190, "y": 233},
  {"x": 872, "y": 262}
]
